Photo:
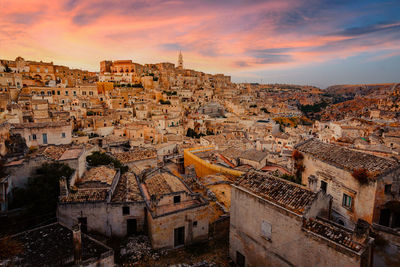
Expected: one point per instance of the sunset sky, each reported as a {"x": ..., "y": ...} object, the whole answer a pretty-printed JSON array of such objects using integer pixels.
[{"x": 306, "y": 42}]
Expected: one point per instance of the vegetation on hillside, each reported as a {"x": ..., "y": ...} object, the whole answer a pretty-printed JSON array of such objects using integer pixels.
[{"x": 99, "y": 158}]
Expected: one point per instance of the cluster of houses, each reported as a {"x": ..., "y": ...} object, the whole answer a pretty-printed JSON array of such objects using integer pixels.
[{"x": 205, "y": 157}]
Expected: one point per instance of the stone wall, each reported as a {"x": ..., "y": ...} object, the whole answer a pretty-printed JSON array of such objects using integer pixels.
[
  {"x": 339, "y": 182},
  {"x": 161, "y": 229},
  {"x": 105, "y": 218},
  {"x": 286, "y": 245}
]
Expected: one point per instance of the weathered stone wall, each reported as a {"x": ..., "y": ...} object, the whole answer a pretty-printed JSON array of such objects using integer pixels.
[
  {"x": 102, "y": 217},
  {"x": 161, "y": 229},
  {"x": 288, "y": 244},
  {"x": 339, "y": 182}
]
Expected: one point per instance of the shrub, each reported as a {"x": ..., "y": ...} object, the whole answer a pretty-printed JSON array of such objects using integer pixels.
[
  {"x": 296, "y": 155},
  {"x": 98, "y": 158},
  {"x": 361, "y": 175}
]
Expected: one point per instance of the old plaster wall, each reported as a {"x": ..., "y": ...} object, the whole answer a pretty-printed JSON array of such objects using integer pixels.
[
  {"x": 102, "y": 217},
  {"x": 161, "y": 229},
  {"x": 287, "y": 245},
  {"x": 341, "y": 182}
]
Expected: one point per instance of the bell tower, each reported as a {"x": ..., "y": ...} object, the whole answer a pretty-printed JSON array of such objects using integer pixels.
[{"x": 180, "y": 60}]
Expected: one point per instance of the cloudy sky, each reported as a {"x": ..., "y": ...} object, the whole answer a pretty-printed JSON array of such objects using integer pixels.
[{"x": 294, "y": 41}]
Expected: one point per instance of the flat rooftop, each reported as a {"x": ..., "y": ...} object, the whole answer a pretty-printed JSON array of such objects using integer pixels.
[{"x": 52, "y": 245}]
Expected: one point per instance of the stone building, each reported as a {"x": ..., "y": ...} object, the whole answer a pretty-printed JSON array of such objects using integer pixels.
[
  {"x": 176, "y": 216},
  {"x": 103, "y": 201},
  {"x": 287, "y": 227},
  {"x": 44, "y": 133},
  {"x": 56, "y": 245},
  {"x": 363, "y": 186}
]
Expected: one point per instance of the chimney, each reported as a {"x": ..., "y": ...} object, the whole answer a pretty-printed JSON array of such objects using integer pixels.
[
  {"x": 361, "y": 231},
  {"x": 63, "y": 187},
  {"x": 77, "y": 242}
]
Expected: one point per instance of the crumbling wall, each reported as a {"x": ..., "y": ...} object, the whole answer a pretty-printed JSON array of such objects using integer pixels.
[
  {"x": 105, "y": 218},
  {"x": 161, "y": 229},
  {"x": 284, "y": 243}
]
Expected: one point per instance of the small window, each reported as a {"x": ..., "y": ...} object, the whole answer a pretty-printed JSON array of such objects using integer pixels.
[
  {"x": 66, "y": 92},
  {"x": 33, "y": 136},
  {"x": 195, "y": 224},
  {"x": 324, "y": 185},
  {"x": 388, "y": 188},
  {"x": 125, "y": 211},
  {"x": 347, "y": 201},
  {"x": 62, "y": 135},
  {"x": 266, "y": 230},
  {"x": 58, "y": 92},
  {"x": 177, "y": 199}
]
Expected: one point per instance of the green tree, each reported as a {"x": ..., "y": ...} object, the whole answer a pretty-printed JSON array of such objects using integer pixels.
[
  {"x": 40, "y": 196},
  {"x": 98, "y": 158}
]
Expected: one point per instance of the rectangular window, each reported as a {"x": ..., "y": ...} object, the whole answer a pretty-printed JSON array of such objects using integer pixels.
[
  {"x": 125, "y": 211},
  {"x": 90, "y": 93},
  {"x": 58, "y": 92},
  {"x": 177, "y": 199},
  {"x": 388, "y": 188},
  {"x": 347, "y": 201},
  {"x": 266, "y": 230},
  {"x": 195, "y": 224},
  {"x": 324, "y": 185},
  {"x": 33, "y": 136},
  {"x": 66, "y": 92},
  {"x": 62, "y": 135}
]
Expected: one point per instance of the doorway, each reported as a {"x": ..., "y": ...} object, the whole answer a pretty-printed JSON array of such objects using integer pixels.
[
  {"x": 131, "y": 227},
  {"x": 179, "y": 236},
  {"x": 384, "y": 219},
  {"x": 83, "y": 222},
  {"x": 240, "y": 259}
]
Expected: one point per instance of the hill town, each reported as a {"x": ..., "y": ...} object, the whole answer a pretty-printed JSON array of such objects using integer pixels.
[{"x": 157, "y": 164}]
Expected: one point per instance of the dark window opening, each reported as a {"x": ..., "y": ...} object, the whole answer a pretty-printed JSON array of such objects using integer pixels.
[
  {"x": 195, "y": 223},
  {"x": 384, "y": 218},
  {"x": 388, "y": 188},
  {"x": 177, "y": 199},
  {"x": 83, "y": 222},
  {"x": 125, "y": 211},
  {"x": 324, "y": 185}
]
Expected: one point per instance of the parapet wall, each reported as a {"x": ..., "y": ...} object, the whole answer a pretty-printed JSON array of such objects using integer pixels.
[{"x": 202, "y": 167}]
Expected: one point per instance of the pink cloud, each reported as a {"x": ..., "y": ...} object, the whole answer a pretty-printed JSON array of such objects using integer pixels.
[{"x": 216, "y": 36}]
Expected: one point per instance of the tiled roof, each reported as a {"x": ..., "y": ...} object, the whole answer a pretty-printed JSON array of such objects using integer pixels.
[
  {"x": 86, "y": 195},
  {"x": 286, "y": 194},
  {"x": 135, "y": 155},
  {"x": 127, "y": 189},
  {"x": 101, "y": 174},
  {"x": 40, "y": 124},
  {"x": 346, "y": 158},
  {"x": 161, "y": 183},
  {"x": 333, "y": 233},
  {"x": 253, "y": 154}
]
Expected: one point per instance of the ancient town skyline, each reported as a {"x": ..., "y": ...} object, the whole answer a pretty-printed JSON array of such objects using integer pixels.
[{"x": 305, "y": 42}]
